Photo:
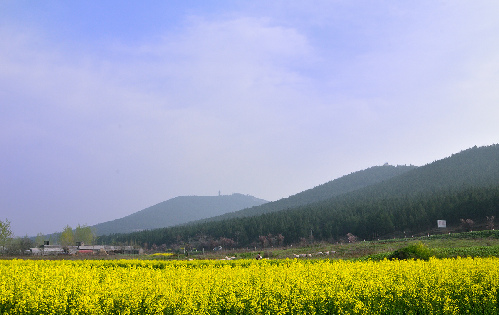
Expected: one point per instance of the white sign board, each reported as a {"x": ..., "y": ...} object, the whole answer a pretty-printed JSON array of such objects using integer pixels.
[{"x": 442, "y": 223}]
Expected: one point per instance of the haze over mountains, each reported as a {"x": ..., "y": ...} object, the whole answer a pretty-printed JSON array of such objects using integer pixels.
[
  {"x": 195, "y": 209},
  {"x": 176, "y": 211},
  {"x": 378, "y": 201}
]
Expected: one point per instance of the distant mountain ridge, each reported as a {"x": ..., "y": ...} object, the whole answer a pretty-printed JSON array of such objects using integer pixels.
[
  {"x": 474, "y": 167},
  {"x": 195, "y": 209},
  {"x": 178, "y": 210},
  {"x": 342, "y": 185},
  {"x": 462, "y": 186}
]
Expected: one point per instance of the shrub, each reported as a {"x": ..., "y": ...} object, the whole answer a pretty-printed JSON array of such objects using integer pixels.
[{"x": 413, "y": 251}]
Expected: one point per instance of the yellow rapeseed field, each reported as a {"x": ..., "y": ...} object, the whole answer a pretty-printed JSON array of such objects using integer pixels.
[{"x": 446, "y": 286}]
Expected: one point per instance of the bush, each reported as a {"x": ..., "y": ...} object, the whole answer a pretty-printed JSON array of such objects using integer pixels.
[{"x": 414, "y": 251}]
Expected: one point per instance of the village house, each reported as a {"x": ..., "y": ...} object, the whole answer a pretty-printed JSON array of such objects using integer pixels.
[{"x": 82, "y": 249}]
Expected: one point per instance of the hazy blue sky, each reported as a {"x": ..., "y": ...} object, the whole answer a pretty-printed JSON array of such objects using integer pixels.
[{"x": 108, "y": 107}]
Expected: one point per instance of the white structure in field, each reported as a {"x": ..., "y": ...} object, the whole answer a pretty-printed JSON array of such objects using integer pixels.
[{"x": 442, "y": 223}]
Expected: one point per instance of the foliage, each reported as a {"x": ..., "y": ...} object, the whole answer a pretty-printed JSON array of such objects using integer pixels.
[
  {"x": 467, "y": 224},
  {"x": 351, "y": 238},
  {"x": 364, "y": 219},
  {"x": 490, "y": 222},
  {"x": 19, "y": 246},
  {"x": 84, "y": 234},
  {"x": 39, "y": 240},
  {"x": 337, "y": 187},
  {"x": 467, "y": 235},
  {"x": 413, "y": 251},
  {"x": 449, "y": 286},
  {"x": 465, "y": 185},
  {"x": 472, "y": 251},
  {"x": 66, "y": 238},
  {"x": 5, "y": 232}
]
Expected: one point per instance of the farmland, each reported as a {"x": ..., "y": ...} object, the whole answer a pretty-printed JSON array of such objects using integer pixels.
[{"x": 281, "y": 286}]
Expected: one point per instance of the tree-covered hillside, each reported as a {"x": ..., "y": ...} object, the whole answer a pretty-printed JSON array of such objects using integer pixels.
[
  {"x": 339, "y": 186},
  {"x": 463, "y": 186},
  {"x": 176, "y": 211},
  {"x": 471, "y": 168}
]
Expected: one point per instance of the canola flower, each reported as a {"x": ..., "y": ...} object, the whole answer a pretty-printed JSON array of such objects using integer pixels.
[
  {"x": 162, "y": 255},
  {"x": 437, "y": 286}
]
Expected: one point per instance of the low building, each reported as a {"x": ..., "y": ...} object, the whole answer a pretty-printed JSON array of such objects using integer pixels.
[{"x": 82, "y": 249}]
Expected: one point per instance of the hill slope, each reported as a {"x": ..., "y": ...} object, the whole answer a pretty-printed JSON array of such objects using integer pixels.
[
  {"x": 178, "y": 210},
  {"x": 474, "y": 167},
  {"x": 462, "y": 186},
  {"x": 339, "y": 186}
]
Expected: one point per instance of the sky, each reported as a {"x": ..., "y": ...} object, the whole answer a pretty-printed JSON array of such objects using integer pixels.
[{"x": 109, "y": 107}]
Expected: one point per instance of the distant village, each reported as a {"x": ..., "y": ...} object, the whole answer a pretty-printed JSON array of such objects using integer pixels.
[{"x": 81, "y": 249}]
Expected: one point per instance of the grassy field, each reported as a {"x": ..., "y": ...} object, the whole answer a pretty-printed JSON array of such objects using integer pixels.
[
  {"x": 443, "y": 245},
  {"x": 468, "y": 244}
]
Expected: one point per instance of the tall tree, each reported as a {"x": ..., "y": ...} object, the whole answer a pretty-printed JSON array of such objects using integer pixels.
[
  {"x": 39, "y": 239},
  {"x": 84, "y": 234},
  {"x": 67, "y": 237},
  {"x": 5, "y": 233}
]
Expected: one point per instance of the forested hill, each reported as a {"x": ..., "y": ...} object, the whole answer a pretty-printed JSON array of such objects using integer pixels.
[
  {"x": 462, "y": 186},
  {"x": 471, "y": 168},
  {"x": 178, "y": 210},
  {"x": 339, "y": 186}
]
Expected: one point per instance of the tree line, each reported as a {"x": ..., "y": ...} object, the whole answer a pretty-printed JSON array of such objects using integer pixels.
[
  {"x": 11, "y": 245},
  {"x": 332, "y": 220},
  {"x": 464, "y": 186}
]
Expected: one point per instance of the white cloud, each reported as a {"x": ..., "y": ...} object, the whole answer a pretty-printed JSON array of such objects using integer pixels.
[
  {"x": 175, "y": 115},
  {"x": 266, "y": 106}
]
